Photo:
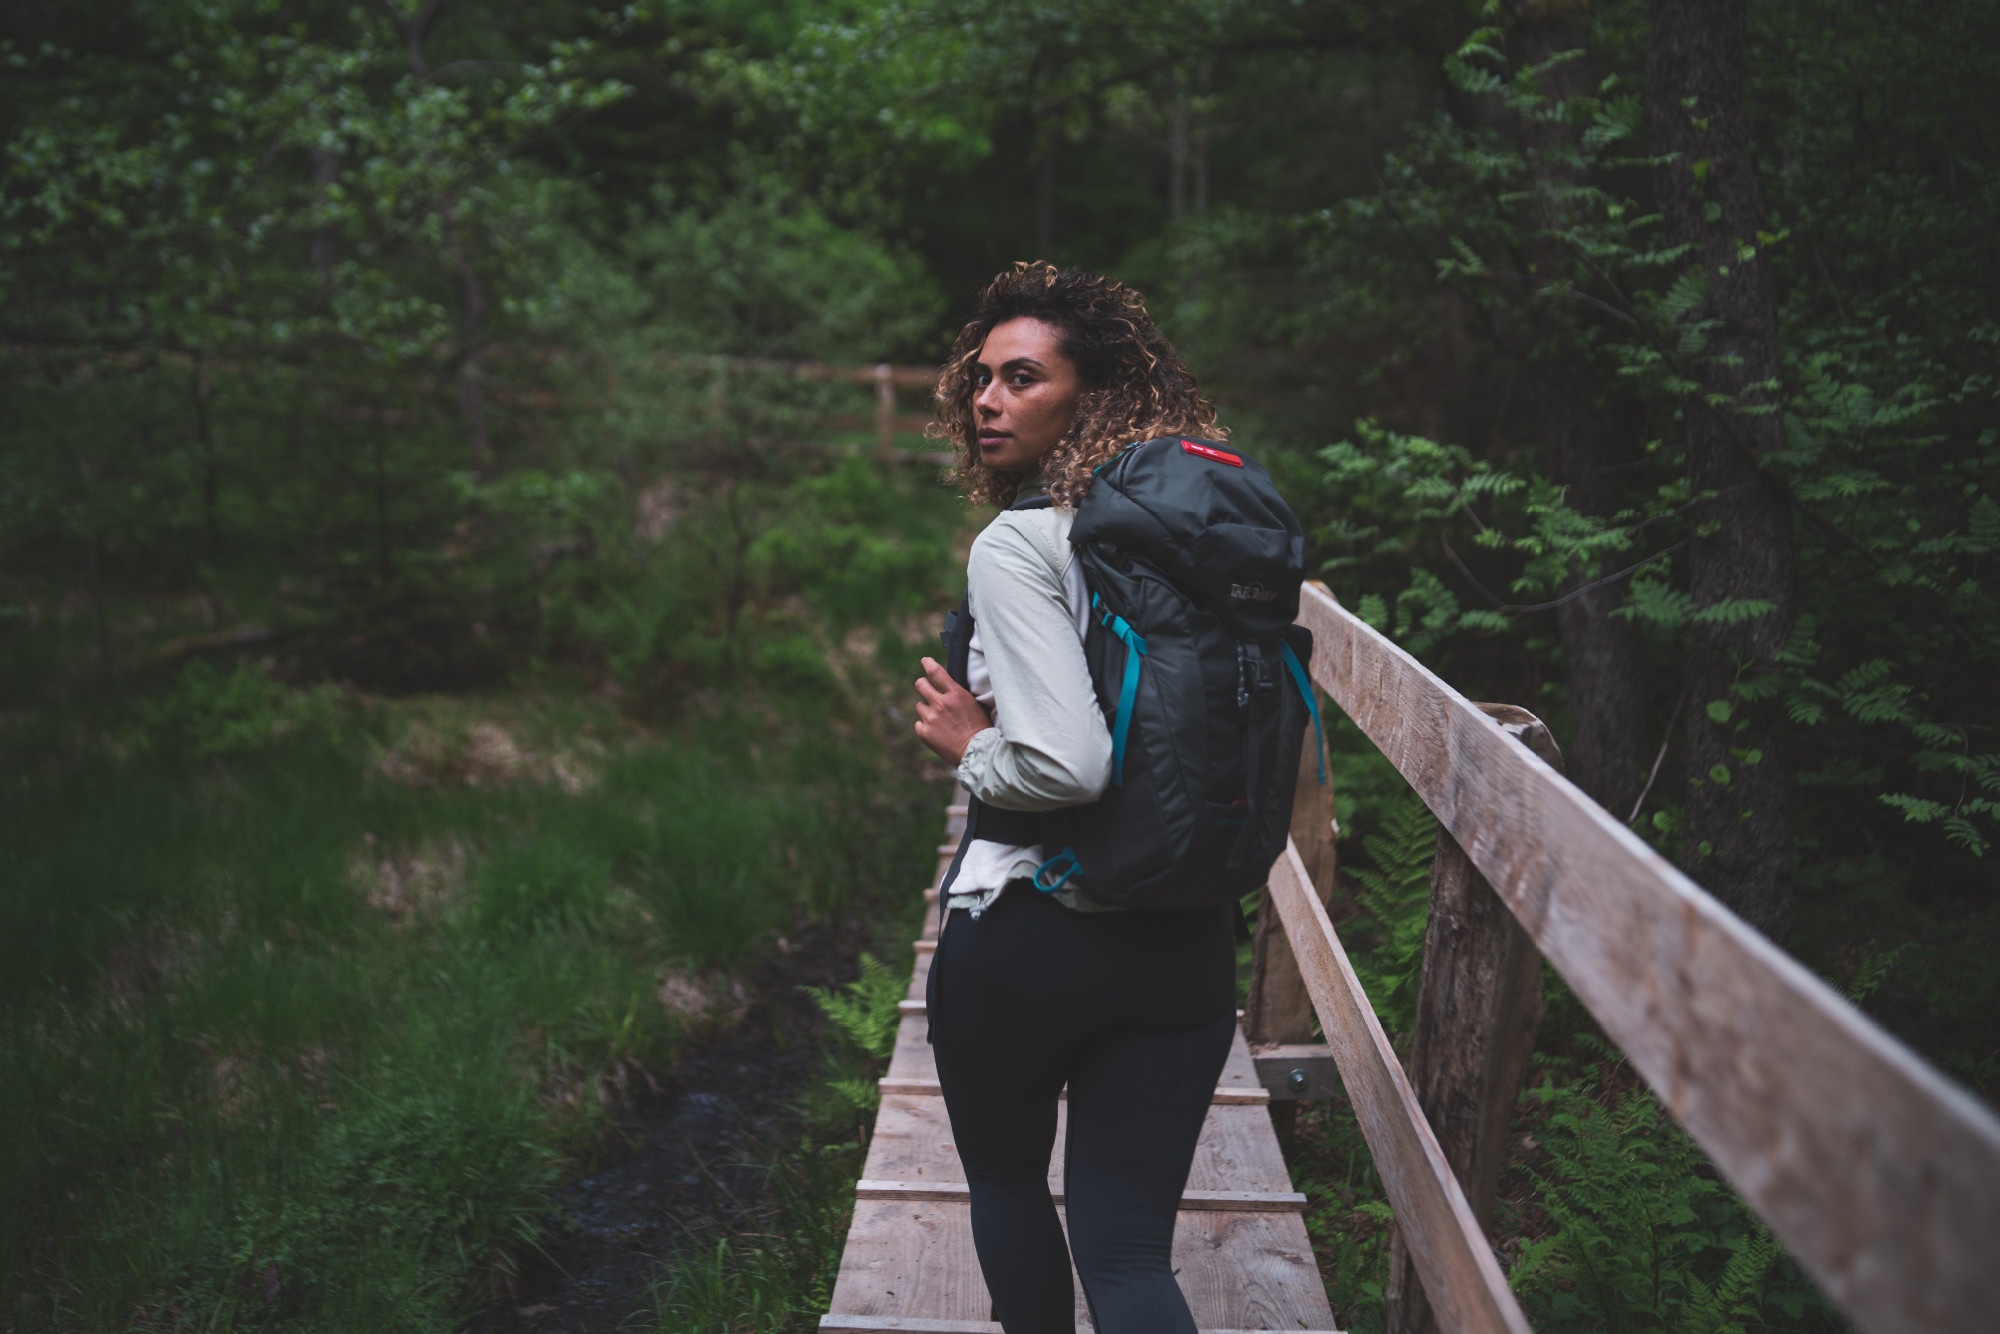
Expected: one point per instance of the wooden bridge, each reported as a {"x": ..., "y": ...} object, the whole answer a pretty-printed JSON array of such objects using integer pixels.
[{"x": 1879, "y": 1175}]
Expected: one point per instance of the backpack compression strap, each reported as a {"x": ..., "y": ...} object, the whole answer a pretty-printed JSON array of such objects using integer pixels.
[
  {"x": 1304, "y": 683},
  {"x": 1128, "y": 689}
]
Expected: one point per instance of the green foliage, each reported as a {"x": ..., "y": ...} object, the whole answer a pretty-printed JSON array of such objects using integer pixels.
[
  {"x": 421, "y": 360},
  {"x": 773, "y": 1275},
  {"x": 1395, "y": 895},
  {"x": 864, "y": 1012},
  {"x": 541, "y": 880},
  {"x": 1641, "y": 1234},
  {"x": 865, "y": 1009},
  {"x": 272, "y": 1018},
  {"x": 1346, "y": 1215},
  {"x": 209, "y": 712}
]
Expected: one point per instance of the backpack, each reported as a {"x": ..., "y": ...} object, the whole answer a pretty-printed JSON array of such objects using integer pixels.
[{"x": 1193, "y": 561}]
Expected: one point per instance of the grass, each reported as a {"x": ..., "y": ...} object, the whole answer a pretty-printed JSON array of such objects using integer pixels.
[{"x": 299, "y": 1029}]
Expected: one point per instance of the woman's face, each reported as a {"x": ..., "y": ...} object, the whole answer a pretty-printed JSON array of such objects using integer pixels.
[{"x": 1025, "y": 389}]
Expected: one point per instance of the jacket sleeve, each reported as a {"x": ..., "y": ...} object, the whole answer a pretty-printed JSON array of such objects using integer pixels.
[{"x": 1048, "y": 746}]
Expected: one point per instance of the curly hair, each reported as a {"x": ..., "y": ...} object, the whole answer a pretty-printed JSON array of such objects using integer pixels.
[{"x": 1135, "y": 385}]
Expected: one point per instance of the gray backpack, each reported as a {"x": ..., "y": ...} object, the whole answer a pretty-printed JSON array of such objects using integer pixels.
[{"x": 1193, "y": 561}]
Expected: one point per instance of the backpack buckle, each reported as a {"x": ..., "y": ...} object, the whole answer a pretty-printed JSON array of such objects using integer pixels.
[{"x": 1067, "y": 861}]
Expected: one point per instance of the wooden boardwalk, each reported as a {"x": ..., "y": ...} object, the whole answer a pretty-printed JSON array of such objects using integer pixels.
[
  {"x": 1878, "y": 1173},
  {"x": 1240, "y": 1247}
]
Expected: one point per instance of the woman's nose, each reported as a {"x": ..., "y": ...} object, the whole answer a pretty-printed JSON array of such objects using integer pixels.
[{"x": 982, "y": 400}]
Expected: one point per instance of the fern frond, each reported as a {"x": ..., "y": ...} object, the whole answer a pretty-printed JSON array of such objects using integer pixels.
[{"x": 865, "y": 1010}]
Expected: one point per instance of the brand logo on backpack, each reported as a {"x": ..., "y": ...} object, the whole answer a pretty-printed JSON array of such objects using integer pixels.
[
  {"x": 1253, "y": 593},
  {"x": 1211, "y": 452}
]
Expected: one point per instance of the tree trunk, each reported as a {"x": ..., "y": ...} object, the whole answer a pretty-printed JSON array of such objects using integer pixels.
[
  {"x": 1604, "y": 658},
  {"x": 1045, "y": 194},
  {"x": 1204, "y": 82},
  {"x": 471, "y": 292},
  {"x": 384, "y": 536},
  {"x": 1737, "y": 836},
  {"x": 325, "y": 171},
  {"x": 210, "y": 467},
  {"x": 472, "y": 340},
  {"x": 93, "y": 566}
]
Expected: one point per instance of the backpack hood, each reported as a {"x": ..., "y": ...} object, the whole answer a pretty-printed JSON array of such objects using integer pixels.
[{"x": 1210, "y": 518}]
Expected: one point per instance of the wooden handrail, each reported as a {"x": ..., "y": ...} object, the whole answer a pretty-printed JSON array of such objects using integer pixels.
[
  {"x": 1460, "y": 1274},
  {"x": 1879, "y": 1174}
]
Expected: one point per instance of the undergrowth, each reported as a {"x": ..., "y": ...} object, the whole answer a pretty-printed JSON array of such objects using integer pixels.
[
  {"x": 1610, "y": 1218},
  {"x": 307, "y": 1004}
]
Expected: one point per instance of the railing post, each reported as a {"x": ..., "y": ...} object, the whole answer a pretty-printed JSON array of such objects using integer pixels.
[
  {"x": 1278, "y": 1009},
  {"x": 1478, "y": 1004},
  {"x": 885, "y": 409}
]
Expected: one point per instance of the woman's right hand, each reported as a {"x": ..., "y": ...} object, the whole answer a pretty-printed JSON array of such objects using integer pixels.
[{"x": 948, "y": 717}]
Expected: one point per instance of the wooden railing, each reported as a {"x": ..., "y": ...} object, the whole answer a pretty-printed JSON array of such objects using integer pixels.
[{"x": 1880, "y": 1175}]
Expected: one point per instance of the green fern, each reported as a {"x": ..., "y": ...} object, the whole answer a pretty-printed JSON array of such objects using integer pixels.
[
  {"x": 1645, "y": 1236},
  {"x": 865, "y": 1009},
  {"x": 1395, "y": 893}
]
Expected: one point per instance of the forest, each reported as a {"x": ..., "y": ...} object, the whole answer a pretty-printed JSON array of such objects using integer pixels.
[{"x": 457, "y": 607}]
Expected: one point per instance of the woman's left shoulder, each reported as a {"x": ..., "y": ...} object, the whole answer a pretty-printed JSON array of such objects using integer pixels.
[{"x": 1044, "y": 532}]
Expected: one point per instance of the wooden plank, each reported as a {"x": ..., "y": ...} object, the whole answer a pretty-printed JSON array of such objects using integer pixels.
[
  {"x": 1238, "y": 1270},
  {"x": 911, "y": 1258},
  {"x": 913, "y": 1141},
  {"x": 1253, "y": 1270},
  {"x": 879, "y": 1324},
  {"x": 1238, "y": 1070},
  {"x": 867, "y": 1324},
  {"x": 1460, "y": 1275},
  {"x": 1878, "y": 1173},
  {"x": 909, "y": 1265},
  {"x": 1242, "y": 1201},
  {"x": 1222, "y": 1096},
  {"x": 912, "y": 1057},
  {"x": 1237, "y": 1151}
]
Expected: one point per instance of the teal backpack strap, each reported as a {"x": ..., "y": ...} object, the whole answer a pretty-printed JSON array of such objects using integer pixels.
[
  {"x": 1305, "y": 686},
  {"x": 1128, "y": 689}
]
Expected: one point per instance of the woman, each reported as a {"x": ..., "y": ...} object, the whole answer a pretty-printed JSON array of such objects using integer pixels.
[{"x": 1032, "y": 991}]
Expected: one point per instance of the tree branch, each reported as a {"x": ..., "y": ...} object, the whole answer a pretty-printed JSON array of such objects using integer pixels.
[{"x": 1521, "y": 609}]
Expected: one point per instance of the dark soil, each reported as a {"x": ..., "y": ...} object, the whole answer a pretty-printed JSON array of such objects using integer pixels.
[{"x": 688, "y": 1162}]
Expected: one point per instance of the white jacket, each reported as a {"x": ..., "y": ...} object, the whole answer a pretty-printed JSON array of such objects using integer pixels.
[{"x": 1048, "y": 746}]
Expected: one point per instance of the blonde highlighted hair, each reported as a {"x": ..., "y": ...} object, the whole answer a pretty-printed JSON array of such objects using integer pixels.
[{"x": 1135, "y": 385}]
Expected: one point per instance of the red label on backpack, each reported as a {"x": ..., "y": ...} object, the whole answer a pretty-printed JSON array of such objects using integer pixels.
[{"x": 1211, "y": 452}]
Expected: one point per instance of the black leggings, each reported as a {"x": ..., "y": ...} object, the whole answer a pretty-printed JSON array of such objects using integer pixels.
[{"x": 1134, "y": 1011}]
